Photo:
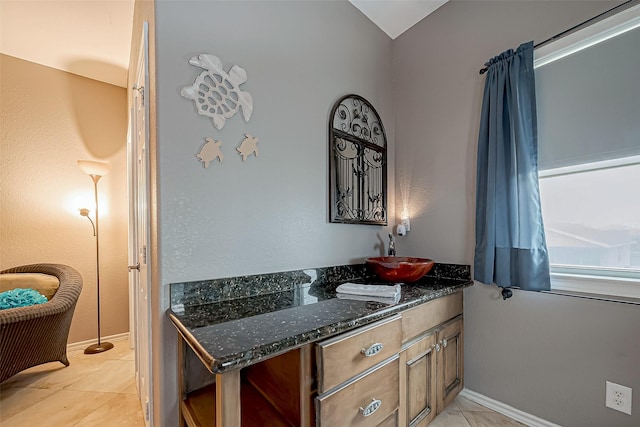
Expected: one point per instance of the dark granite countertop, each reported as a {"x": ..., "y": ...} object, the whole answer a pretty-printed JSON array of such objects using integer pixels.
[{"x": 228, "y": 331}]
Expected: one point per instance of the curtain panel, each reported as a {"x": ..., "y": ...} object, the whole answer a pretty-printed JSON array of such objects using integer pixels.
[{"x": 510, "y": 242}]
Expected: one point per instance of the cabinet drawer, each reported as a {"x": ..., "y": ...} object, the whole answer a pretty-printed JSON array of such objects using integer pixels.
[
  {"x": 345, "y": 356},
  {"x": 428, "y": 315},
  {"x": 343, "y": 407},
  {"x": 390, "y": 421}
]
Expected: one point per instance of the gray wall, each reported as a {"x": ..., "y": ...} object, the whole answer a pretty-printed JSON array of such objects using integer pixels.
[
  {"x": 547, "y": 355},
  {"x": 269, "y": 213}
]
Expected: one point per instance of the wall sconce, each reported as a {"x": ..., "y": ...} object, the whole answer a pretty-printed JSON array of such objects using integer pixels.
[
  {"x": 405, "y": 220},
  {"x": 95, "y": 170},
  {"x": 405, "y": 223}
]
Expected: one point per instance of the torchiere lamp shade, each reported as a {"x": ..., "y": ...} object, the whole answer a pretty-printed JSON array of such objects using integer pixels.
[{"x": 91, "y": 167}]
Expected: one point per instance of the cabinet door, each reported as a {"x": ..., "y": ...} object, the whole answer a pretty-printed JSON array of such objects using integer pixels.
[
  {"x": 450, "y": 362},
  {"x": 419, "y": 375}
]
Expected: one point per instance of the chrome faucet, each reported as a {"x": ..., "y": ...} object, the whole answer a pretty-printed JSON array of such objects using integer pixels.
[{"x": 392, "y": 246}]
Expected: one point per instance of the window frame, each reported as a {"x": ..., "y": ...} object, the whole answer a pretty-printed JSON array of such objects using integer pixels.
[{"x": 592, "y": 280}]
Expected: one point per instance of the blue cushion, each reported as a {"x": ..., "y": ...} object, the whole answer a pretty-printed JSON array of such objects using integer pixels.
[{"x": 20, "y": 297}]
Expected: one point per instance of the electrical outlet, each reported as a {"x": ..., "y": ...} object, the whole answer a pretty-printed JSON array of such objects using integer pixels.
[{"x": 618, "y": 397}]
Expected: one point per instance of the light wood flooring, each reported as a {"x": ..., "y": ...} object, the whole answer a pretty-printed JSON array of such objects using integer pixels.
[
  {"x": 95, "y": 390},
  {"x": 100, "y": 390}
]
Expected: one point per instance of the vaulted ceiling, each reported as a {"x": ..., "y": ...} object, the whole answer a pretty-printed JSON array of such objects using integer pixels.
[
  {"x": 394, "y": 17},
  {"x": 92, "y": 38}
]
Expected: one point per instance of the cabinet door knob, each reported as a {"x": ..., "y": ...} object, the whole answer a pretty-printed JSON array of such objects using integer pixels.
[
  {"x": 437, "y": 347},
  {"x": 444, "y": 342},
  {"x": 373, "y": 349},
  {"x": 371, "y": 407}
]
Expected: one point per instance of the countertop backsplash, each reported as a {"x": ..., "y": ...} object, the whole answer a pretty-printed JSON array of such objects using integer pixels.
[{"x": 216, "y": 290}]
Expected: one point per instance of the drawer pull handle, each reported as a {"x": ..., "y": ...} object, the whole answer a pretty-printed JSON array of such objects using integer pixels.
[
  {"x": 373, "y": 350},
  {"x": 371, "y": 407}
]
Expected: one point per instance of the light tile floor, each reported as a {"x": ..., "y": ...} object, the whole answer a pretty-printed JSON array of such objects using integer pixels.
[
  {"x": 100, "y": 390},
  {"x": 462, "y": 412},
  {"x": 95, "y": 390}
]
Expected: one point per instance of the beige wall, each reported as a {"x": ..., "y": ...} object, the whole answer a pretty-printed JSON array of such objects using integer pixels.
[{"x": 50, "y": 119}]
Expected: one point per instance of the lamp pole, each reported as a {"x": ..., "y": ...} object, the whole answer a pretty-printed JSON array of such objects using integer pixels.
[{"x": 95, "y": 177}]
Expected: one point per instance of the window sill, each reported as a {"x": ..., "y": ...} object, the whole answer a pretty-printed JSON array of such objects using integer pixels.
[{"x": 598, "y": 285}]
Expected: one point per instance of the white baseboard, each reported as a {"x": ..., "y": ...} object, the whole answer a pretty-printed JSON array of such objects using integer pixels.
[
  {"x": 504, "y": 409},
  {"x": 84, "y": 344}
]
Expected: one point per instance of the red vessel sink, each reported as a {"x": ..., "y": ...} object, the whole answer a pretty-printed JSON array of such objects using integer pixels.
[{"x": 400, "y": 269}]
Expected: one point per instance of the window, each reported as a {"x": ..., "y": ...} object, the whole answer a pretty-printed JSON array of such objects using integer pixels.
[
  {"x": 589, "y": 156},
  {"x": 592, "y": 226}
]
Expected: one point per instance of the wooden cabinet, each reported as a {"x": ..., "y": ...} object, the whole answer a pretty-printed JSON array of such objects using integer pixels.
[
  {"x": 417, "y": 320},
  {"x": 418, "y": 378},
  {"x": 349, "y": 354},
  {"x": 369, "y": 400},
  {"x": 432, "y": 372},
  {"x": 358, "y": 376},
  {"x": 287, "y": 382},
  {"x": 400, "y": 371},
  {"x": 429, "y": 360},
  {"x": 450, "y": 362},
  {"x": 431, "y": 363},
  {"x": 390, "y": 421},
  {"x": 277, "y": 392}
]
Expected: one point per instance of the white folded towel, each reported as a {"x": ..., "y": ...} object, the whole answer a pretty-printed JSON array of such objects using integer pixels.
[{"x": 379, "y": 291}]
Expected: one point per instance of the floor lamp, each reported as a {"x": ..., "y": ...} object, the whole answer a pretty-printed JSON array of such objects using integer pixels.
[{"x": 95, "y": 170}]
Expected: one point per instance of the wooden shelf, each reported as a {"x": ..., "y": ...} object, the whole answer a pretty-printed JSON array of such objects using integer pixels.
[{"x": 199, "y": 408}]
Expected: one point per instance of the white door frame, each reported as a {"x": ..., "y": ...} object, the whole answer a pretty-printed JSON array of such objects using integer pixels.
[
  {"x": 139, "y": 228},
  {"x": 132, "y": 246}
]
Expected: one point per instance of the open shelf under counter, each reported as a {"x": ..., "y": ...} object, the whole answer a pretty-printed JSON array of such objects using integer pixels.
[{"x": 199, "y": 408}]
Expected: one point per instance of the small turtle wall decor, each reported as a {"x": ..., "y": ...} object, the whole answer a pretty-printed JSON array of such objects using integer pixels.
[
  {"x": 217, "y": 94},
  {"x": 248, "y": 146},
  {"x": 209, "y": 151}
]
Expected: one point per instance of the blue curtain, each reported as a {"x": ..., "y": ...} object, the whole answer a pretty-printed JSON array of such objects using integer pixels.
[{"x": 510, "y": 242}]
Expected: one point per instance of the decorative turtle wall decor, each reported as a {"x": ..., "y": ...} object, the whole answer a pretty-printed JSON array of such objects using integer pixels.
[
  {"x": 210, "y": 150},
  {"x": 217, "y": 94},
  {"x": 248, "y": 146}
]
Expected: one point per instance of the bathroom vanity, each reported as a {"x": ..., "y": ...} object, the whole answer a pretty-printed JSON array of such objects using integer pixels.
[{"x": 283, "y": 349}]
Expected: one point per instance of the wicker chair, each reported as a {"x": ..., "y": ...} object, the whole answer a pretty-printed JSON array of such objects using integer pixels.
[{"x": 37, "y": 334}]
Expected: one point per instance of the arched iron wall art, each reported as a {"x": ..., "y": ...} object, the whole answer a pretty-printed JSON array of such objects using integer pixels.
[{"x": 357, "y": 163}]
